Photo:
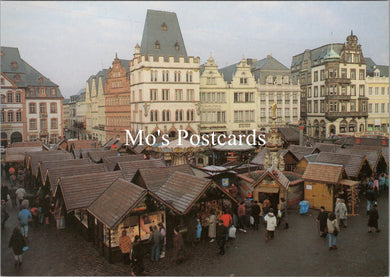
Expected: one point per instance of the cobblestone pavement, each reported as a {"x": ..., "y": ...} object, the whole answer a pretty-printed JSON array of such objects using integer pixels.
[{"x": 296, "y": 251}]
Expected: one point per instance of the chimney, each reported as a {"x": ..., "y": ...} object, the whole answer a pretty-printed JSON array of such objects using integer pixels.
[{"x": 301, "y": 135}]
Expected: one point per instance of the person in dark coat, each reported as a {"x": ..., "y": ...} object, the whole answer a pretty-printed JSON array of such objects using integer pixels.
[
  {"x": 191, "y": 234},
  {"x": 4, "y": 214},
  {"x": 255, "y": 213},
  {"x": 221, "y": 236},
  {"x": 137, "y": 257},
  {"x": 17, "y": 243},
  {"x": 372, "y": 197},
  {"x": 178, "y": 246},
  {"x": 322, "y": 219},
  {"x": 4, "y": 192},
  {"x": 373, "y": 217}
]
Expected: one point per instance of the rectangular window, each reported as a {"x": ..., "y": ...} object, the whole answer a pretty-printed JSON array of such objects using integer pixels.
[
  {"x": 361, "y": 90},
  {"x": 383, "y": 90},
  {"x": 343, "y": 73},
  {"x": 243, "y": 80},
  {"x": 18, "y": 116},
  {"x": 353, "y": 90},
  {"x": 322, "y": 106},
  {"x": 9, "y": 98},
  {"x": 370, "y": 91},
  {"x": 376, "y": 91},
  {"x": 153, "y": 94},
  {"x": 353, "y": 74},
  {"x": 309, "y": 92},
  {"x": 53, "y": 107},
  {"x": 382, "y": 107},
  {"x": 315, "y": 91},
  {"x": 309, "y": 106},
  {"x": 322, "y": 75},
  {"x": 10, "y": 117},
  {"x": 165, "y": 94},
  {"x": 361, "y": 74},
  {"x": 376, "y": 108},
  {"x": 53, "y": 123},
  {"x": 42, "y": 108},
  {"x": 322, "y": 91},
  {"x": 18, "y": 98},
  {"x": 316, "y": 106},
  {"x": 353, "y": 106},
  {"x": 179, "y": 94},
  {"x": 43, "y": 124},
  {"x": 32, "y": 108},
  {"x": 287, "y": 112},
  {"x": 370, "y": 108},
  {"x": 295, "y": 112},
  {"x": 190, "y": 94},
  {"x": 33, "y": 124},
  {"x": 315, "y": 76}
]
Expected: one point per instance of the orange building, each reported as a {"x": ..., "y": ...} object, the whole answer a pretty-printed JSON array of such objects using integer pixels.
[{"x": 117, "y": 98}]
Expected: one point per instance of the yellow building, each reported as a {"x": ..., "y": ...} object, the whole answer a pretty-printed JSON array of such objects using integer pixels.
[{"x": 378, "y": 94}]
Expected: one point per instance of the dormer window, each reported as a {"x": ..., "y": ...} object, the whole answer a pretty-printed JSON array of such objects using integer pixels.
[
  {"x": 177, "y": 47},
  {"x": 14, "y": 65},
  {"x": 164, "y": 26},
  {"x": 17, "y": 79},
  {"x": 2, "y": 53},
  {"x": 157, "y": 45},
  {"x": 41, "y": 80}
]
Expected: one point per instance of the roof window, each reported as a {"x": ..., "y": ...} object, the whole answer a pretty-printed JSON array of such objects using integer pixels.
[{"x": 164, "y": 26}]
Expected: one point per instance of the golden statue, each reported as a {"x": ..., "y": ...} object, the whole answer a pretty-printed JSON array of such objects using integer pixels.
[{"x": 274, "y": 106}]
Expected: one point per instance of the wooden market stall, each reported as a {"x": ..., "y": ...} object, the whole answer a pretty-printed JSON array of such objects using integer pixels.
[
  {"x": 320, "y": 180},
  {"x": 352, "y": 195}
]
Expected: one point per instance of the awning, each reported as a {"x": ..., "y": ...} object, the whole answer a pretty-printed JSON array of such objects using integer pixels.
[
  {"x": 350, "y": 183},
  {"x": 267, "y": 189}
]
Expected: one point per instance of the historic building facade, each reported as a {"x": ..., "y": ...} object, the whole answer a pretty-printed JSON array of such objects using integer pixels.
[
  {"x": 95, "y": 106},
  {"x": 117, "y": 99},
  {"x": 377, "y": 81},
  {"x": 164, "y": 80},
  {"x": 34, "y": 104},
  {"x": 237, "y": 98},
  {"x": 334, "y": 95}
]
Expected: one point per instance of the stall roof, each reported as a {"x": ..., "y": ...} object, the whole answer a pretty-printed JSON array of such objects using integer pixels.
[
  {"x": 155, "y": 177},
  {"x": 45, "y": 165},
  {"x": 183, "y": 190},
  {"x": 80, "y": 191},
  {"x": 116, "y": 202},
  {"x": 129, "y": 169},
  {"x": 36, "y": 157},
  {"x": 98, "y": 155},
  {"x": 320, "y": 172},
  {"x": 372, "y": 155},
  {"x": 327, "y": 147},
  {"x": 275, "y": 174},
  {"x": 351, "y": 163},
  {"x": 112, "y": 161},
  {"x": 82, "y": 144},
  {"x": 18, "y": 154},
  {"x": 289, "y": 134},
  {"x": 139, "y": 148},
  {"x": 300, "y": 151},
  {"x": 53, "y": 174},
  {"x": 27, "y": 144}
]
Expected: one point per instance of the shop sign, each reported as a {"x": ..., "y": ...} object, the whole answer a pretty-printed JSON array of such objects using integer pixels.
[{"x": 309, "y": 187}]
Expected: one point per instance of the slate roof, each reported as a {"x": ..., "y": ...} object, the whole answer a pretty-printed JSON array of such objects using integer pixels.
[
  {"x": 182, "y": 190},
  {"x": 53, "y": 174},
  {"x": 126, "y": 196},
  {"x": 101, "y": 74},
  {"x": 259, "y": 158},
  {"x": 228, "y": 72},
  {"x": 327, "y": 147},
  {"x": 351, "y": 163},
  {"x": 318, "y": 53},
  {"x": 112, "y": 161},
  {"x": 80, "y": 191},
  {"x": 325, "y": 173},
  {"x": 155, "y": 177},
  {"x": 268, "y": 66},
  {"x": 300, "y": 151},
  {"x": 11, "y": 54},
  {"x": 45, "y": 165},
  {"x": 125, "y": 63},
  {"x": 153, "y": 32},
  {"x": 371, "y": 66}
]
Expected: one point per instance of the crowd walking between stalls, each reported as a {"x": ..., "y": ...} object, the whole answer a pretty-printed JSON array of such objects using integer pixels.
[{"x": 215, "y": 226}]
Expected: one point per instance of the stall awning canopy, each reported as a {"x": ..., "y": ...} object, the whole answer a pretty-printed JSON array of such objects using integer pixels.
[
  {"x": 268, "y": 189},
  {"x": 350, "y": 183}
]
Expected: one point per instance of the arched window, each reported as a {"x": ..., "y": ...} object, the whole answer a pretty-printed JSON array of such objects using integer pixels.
[
  {"x": 157, "y": 44},
  {"x": 163, "y": 115},
  {"x": 18, "y": 116},
  {"x": 168, "y": 115},
  {"x": 10, "y": 116},
  {"x": 177, "y": 47}
]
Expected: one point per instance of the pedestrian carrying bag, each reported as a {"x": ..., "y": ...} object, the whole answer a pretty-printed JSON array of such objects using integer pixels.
[
  {"x": 25, "y": 248},
  {"x": 232, "y": 232},
  {"x": 335, "y": 232}
]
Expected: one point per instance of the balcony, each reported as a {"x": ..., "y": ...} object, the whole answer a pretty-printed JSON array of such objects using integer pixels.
[
  {"x": 337, "y": 81},
  {"x": 335, "y": 115},
  {"x": 338, "y": 97}
]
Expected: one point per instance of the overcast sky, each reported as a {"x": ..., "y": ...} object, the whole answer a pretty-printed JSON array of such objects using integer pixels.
[{"x": 69, "y": 41}]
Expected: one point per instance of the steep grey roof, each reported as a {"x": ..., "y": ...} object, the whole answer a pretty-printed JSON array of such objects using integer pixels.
[
  {"x": 125, "y": 63},
  {"x": 228, "y": 72},
  {"x": 318, "y": 53},
  {"x": 268, "y": 66},
  {"x": 153, "y": 32},
  {"x": 371, "y": 66},
  {"x": 102, "y": 73},
  {"x": 8, "y": 56}
]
